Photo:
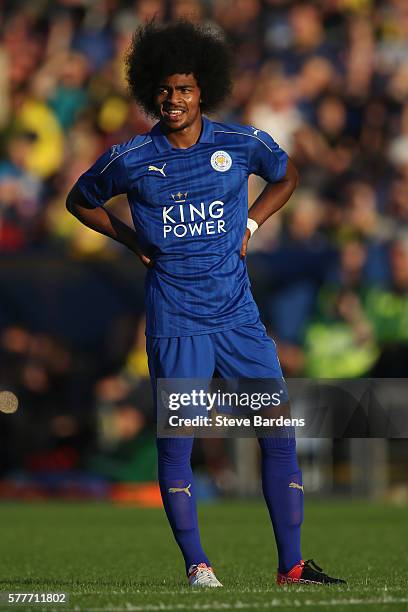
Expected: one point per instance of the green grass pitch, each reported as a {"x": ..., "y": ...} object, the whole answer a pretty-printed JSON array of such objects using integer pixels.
[{"x": 122, "y": 558}]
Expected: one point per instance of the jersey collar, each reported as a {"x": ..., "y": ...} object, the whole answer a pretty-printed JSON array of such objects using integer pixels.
[{"x": 162, "y": 144}]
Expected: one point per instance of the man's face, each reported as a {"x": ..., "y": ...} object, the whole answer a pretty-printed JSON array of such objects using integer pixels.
[{"x": 177, "y": 101}]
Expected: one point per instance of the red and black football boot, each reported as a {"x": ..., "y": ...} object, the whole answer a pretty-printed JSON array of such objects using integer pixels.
[{"x": 306, "y": 572}]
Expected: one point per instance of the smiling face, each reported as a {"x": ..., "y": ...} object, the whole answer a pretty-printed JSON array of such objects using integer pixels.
[{"x": 177, "y": 102}]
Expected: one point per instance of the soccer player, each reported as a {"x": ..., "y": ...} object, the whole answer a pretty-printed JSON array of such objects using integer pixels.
[{"x": 187, "y": 182}]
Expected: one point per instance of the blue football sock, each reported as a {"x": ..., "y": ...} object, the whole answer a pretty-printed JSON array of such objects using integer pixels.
[
  {"x": 177, "y": 491},
  {"x": 283, "y": 492}
]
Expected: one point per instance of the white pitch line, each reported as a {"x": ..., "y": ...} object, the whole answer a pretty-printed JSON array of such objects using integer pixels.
[
  {"x": 265, "y": 591},
  {"x": 236, "y": 592},
  {"x": 239, "y": 605}
]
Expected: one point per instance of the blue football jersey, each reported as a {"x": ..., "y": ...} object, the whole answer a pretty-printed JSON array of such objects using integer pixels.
[{"x": 190, "y": 208}]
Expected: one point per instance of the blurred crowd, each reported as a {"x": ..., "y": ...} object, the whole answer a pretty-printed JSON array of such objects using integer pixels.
[{"x": 328, "y": 79}]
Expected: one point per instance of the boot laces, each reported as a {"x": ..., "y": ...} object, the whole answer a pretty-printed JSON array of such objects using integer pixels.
[
  {"x": 311, "y": 564},
  {"x": 201, "y": 572}
]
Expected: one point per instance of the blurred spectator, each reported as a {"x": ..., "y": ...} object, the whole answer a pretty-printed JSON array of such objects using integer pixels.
[
  {"x": 273, "y": 109},
  {"x": 337, "y": 336},
  {"x": 308, "y": 37},
  {"x": 193, "y": 10},
  {"x": 67, "y": 96},
  {"x": 297, "y": 264},
  {"x": 21, "y": 194},
  {"x": 51, "y": 428},
  {"x": 340, "y": 344},
  {"x": 126, "y": 440},
  {"x": 242, "y": 22},
  {"x": 387, "y": 309}
]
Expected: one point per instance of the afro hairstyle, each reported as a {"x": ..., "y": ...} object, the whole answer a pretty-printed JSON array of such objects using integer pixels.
[{"x": 159, "y": 51}]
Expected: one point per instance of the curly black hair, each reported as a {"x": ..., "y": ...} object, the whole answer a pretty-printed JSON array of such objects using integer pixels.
[{"x": 159, "y": 51}]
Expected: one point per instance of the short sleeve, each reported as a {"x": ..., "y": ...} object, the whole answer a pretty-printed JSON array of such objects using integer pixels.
[
  {"x": 266, "y": 158},
  {"x": 105, "y": 179}
]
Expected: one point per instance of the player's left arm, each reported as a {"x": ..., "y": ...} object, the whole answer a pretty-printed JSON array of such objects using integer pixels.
[
  {"x": 267, "y": 160},
  {"x": 273, "y": 197}
]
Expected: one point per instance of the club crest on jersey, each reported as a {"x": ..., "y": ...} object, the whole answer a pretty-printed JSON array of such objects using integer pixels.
[{"x": 221, "y": 161}]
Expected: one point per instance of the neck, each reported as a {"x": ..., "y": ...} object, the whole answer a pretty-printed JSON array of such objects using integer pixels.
[{"x": 185, "y": 138}]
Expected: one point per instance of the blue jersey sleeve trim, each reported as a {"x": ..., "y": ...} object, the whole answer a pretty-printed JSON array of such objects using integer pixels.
[
  {"x": 123, "y": 153},
  {"x": 249, "y": 136},
  {"x": 270, "y": 172}
]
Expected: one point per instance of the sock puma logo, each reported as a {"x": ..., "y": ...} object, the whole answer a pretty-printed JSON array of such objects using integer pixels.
[
  {"x": 295, "y": 485},
  {"x": 186, "y": 490},
  {"x": 156, "y": 169}
]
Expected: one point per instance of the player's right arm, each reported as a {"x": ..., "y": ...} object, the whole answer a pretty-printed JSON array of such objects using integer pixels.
[
  {"x": 105, "y": 179},
  {"x": 104, "y": 222}
]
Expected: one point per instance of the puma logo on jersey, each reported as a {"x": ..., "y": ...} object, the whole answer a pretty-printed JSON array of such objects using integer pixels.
[
  {"x": 156, "y": 169},
  {"x": 295, "y": 485},
  {"x": 114, "y": 150},
  {"x": 256, "y": 132},
  {"x": 186, "y": 490}
]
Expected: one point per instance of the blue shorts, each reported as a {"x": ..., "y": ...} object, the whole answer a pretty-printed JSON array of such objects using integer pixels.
[{"x": 245, "y": 352}]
